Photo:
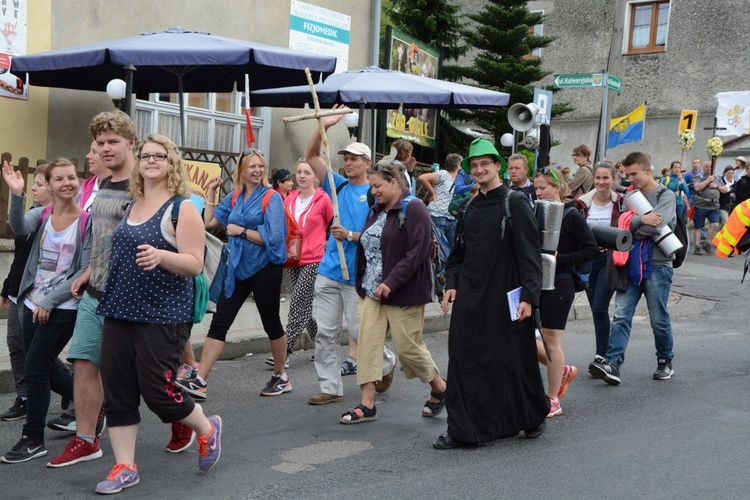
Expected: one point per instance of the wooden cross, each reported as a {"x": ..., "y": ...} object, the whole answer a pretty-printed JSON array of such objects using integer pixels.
[
  {"x": 329, "y": 171},
  {"x": 713, "y": 134}
]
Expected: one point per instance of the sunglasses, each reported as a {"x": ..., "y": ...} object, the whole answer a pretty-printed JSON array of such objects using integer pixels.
[
  {"x": 251, "y": 151},
  {"x": 551, "y": 171},
  {"x": 387, "y": 167}
]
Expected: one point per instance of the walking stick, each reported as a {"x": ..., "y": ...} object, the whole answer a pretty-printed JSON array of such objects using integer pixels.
[{"x": 327, "y": 155}]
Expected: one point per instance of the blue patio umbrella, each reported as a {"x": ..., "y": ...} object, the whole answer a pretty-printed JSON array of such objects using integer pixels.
[
  {"x": 175, "y": 60},
  {"x": 383, "y": 89},
  {"x": 377, "y": 88}
]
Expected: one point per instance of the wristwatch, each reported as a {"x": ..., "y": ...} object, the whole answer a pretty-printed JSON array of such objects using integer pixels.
[
  {"x": 350, "y": 236},
  {"x": 244, "y": 234}
]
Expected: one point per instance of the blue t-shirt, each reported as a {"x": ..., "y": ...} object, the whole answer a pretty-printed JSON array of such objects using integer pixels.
[{"x": 353, "y": 210}]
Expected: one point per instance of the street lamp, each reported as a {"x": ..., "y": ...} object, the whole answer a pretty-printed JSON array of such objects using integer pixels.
[
  {"x": 116, "y": 91},
  {"x": 351, "y": 121}
]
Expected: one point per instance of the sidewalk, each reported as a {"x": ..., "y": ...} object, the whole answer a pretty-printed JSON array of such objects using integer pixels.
[{"x": 247, "y": 335}]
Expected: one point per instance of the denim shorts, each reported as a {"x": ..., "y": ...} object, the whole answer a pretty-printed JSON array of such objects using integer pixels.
[
  {"x": 700, "y": 215},
  {"x": 87, "y": 336}
]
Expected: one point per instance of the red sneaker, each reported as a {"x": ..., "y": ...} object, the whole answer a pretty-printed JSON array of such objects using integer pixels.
[
  {"x": 78, "y": 450},
  {"x": 182, "y": 437}
]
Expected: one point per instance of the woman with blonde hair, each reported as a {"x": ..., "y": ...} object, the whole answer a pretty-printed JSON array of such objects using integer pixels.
[
  {"x": 253, "y": 214},
  {"x": 148, "y": 311},
  {"x": 576, "y": 246}
]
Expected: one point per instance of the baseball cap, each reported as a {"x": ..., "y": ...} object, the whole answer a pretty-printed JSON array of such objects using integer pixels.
[{"x": 357, "y": 148}]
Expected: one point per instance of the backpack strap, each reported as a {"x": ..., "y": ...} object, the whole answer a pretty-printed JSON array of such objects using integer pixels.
[
  {"x": 84, "y": 219},
  {"x": 508, "y": 215},
  {"x": 176, "y": 202},
  {"x": 266, "y": 200},
  {"x": 402, "y": 212},
  {"x": 235, "y": 195}
]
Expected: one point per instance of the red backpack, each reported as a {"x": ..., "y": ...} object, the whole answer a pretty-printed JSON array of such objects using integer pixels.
[{"x": 293, "y": 232}]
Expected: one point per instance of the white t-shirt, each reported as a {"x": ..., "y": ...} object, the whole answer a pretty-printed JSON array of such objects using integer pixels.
[
  {"x": 599, "y": 215},
  {"x": 300, "y": 205},
  {"x": 56, "y": 250}
]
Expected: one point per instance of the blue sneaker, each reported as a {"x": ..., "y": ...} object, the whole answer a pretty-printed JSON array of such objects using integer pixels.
[
  {"x": 120, "y": 477},
  {"x": 209, "y": 447}
]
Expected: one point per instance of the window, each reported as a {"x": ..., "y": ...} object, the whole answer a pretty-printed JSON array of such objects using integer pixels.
[
  {"x": 649, "y": 23},
  {"x": 536, "y": 30}
]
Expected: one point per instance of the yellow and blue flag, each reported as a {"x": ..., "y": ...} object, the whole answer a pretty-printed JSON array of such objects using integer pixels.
[{"x": 628, "y": 128}]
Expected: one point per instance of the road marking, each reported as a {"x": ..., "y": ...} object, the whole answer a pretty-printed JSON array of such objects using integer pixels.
[{"x": 308, "y": 457}]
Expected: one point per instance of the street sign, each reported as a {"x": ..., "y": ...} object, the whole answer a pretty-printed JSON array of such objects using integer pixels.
[
  {"x": 688, "y": 120},
  {"x": 578, "y": 80},
  {"x": 543, "y": 99},
  {"x": 614, "y": 83}
]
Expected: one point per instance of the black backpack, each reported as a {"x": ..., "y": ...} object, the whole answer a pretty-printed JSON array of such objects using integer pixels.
[{"x": 680, "y": 230}]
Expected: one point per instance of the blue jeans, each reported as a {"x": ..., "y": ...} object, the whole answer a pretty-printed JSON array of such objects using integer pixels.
[
  {"x": 42, "y": 344},
  {"x": 656, "y": 289},
  {"x": 446, "y": 226},
  {"x": 599, "y": 296}
]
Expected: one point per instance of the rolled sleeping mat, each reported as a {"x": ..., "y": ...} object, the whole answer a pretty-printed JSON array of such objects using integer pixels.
[
  {"x": 549, "y": 215},
  {"x": 636, "y": 202},
  {"x": 548, "y": 271},
  {"x": 667, "y": 241},
  {"x": 613, "y": 238}
]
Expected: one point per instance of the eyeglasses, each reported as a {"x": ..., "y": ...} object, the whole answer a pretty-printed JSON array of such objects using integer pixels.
[
  {"x": 552, "y": 172},
  {"x": 576, "y": 155},
  {"x": 155, "y": 156},
  {"x": 483, "y": 164}
]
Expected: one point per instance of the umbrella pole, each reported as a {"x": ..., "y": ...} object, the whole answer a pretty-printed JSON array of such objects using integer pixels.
[
  {"x": 329, "y": 171},
  {"x": 181, "y": 97},
  {"x": 361, "y": 122}
]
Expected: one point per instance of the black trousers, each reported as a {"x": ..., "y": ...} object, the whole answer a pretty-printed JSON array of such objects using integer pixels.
[{"x": 142, "y": 359}]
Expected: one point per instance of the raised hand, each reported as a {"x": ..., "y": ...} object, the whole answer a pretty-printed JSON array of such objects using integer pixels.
[
  {"x": 330, "y": 121},
  {"x": 13, "y": 179}
]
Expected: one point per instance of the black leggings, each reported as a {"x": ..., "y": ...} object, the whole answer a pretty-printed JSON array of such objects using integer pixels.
[{"x": 265, "y": 285}]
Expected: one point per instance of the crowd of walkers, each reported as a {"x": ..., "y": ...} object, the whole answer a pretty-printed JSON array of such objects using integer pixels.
[{"x": 111, "y": 265}]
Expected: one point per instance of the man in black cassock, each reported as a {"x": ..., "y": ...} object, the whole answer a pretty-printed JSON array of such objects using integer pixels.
[{"x": 495, "y": 389}]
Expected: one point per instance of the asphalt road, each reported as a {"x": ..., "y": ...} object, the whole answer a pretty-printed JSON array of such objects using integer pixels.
[{"x": 682, "y": 438}]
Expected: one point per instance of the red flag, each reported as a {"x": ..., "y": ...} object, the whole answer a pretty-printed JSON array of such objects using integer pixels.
[
  {"x": 248, "y": 122},
  {"x": 249, "y": 127}
]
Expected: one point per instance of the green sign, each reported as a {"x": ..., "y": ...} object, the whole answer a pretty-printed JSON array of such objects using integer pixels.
[
  {"x": 578, "y": 80},
  {"x": 586, "y": 80},
  {"x": 614, "y": 83}
]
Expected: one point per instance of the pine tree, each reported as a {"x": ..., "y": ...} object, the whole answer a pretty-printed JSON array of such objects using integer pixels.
[
  {"x": 439, "y": 24},
  {"x": 501, "y": 33}
]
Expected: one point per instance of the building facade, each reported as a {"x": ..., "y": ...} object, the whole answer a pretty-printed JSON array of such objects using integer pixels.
[
  {"x": 672, "y": 54},
  {"x": 54, "y": 122}
]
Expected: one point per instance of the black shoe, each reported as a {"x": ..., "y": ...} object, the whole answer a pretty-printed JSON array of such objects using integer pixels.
[
  {"x": 24, "y": 450},
  {"x": 593, "y": 371},
  {"x": 535, "y": 433},
  {"x": 101, "y": 423},
  {"x": 663, "y": 371},
  {"x": 15, "y": 412},
  {"x": 65, "y": 422},
  {"x": 603, "y": 370},
  {"x": 444, "y": 442}
]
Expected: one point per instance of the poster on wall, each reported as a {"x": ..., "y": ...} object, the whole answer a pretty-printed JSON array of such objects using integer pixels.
[
  {"x": 322, "y": 31},
  {"x": 13, "y": 43},
  {"x": 199, "y": 174},
  {"x": 409, "y": 55}
]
